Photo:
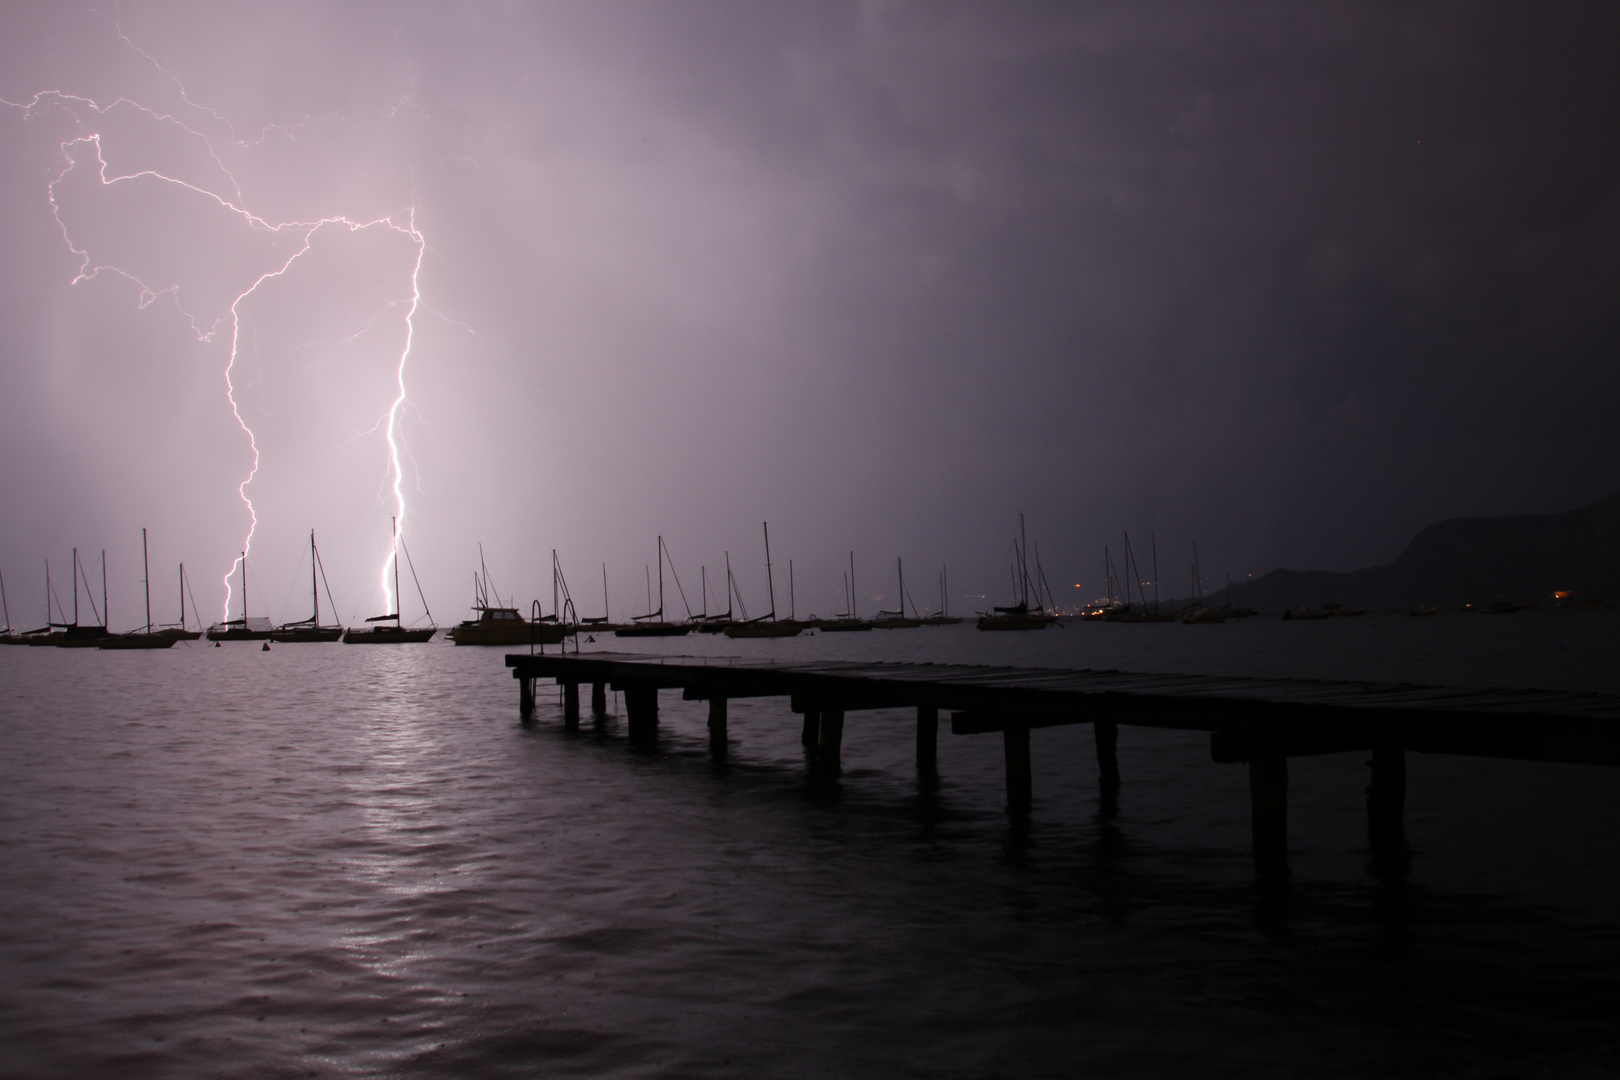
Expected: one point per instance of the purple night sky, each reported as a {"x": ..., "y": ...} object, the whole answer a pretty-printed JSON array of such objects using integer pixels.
[{"x": 1288, "y": 280}]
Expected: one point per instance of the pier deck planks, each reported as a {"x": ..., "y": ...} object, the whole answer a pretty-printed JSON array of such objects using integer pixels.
[{"x": 1276, "y": 717}]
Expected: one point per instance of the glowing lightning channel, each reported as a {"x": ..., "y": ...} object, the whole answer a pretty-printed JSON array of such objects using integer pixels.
[
  {"x": 392, "y": 432},
  {"x": 304, "y": 231}
]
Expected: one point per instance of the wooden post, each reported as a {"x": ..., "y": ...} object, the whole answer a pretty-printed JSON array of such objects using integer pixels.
[
  {"x": 641, "y": 708},
  {"x": 1386, "y": 794},
  {"x": 810, "y": 736},
  {"x": 1268, "y": 805},
  {"x": 1015, "y": 748},
  {"x": 525, "y": 696},
  {"x": 717, "y": 726},
  {"x": 571, "y": 704},
  {"x": 598, "y": 699},
  {"x": 1107, "y": 733},
  {"x": 829, "y": 749},
  {"x": 927, "y": 738}
]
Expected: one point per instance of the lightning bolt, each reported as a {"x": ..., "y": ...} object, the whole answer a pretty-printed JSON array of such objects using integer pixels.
[{"x": 84, "y": 112}]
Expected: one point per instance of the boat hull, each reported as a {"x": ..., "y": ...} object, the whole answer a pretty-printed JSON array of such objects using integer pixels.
[
  {"x": 1016, "y": 622},
  {"x": 387, "y": 635},
  {"x": 292, "y": 634},
  {"x": 138, "y": 641},
  {"x": 896, "y": 624},
  {"x": 470, "y": 633},
  {"x": 236, "y": 633}
]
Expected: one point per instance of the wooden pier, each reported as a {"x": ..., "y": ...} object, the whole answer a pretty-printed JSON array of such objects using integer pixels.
[{"x": 1258, "y": 722}]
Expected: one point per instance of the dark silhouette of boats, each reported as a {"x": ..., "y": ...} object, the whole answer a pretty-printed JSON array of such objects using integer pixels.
[
  {"x": 9, "y": 637},
  {"x": 310, "y": 629},
  {"x": 653, "y": 624},
  {"x": 1020, "y": 616},
  {"x": 75, "y": 636},
  {"x": 399, "y": 633},
  {"x": 1144, "y": 613},
  {"x": 767, "y": 625},
  {"x": 897, "y": 620},
  {"x": 243, "y": 629},
  {"x": 850, "y": 621},
  {"x": 178, "y": 630},
  {"x": 944, "y": 617},
  {"x": 145, "y": 638},
  {"x": 52, "y": 632},
  {"x": 716, "y": 624},
  {"x": 496, "y": 624}
]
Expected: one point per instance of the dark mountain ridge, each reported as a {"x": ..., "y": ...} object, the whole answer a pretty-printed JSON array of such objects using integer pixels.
[{"x": 1469, "y": 560}]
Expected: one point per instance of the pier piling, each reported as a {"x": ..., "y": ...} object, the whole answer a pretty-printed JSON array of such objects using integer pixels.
[
  {"x": 1107, "y": 734},
  {"x": 829, "y": 748},
  {"x": 570, "y": 704},
  {"x": 1386, "y": 794},
  {"x": 1015, "y": 747},
  {"x": 525, "y": 697},
  {"x": 598, "y": 699},
  {"x": 641, "y": 709},
  {"x": 1268, "y": 805},
  {"x": 717, "y": 726},
  {"x": 810, "y": 735},
  {"x": 927, "y": 739}
]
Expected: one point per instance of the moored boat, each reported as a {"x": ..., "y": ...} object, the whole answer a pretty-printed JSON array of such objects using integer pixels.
[
  {"x": 310, "y": 629},
  {"x": 144, "y": 638},
  {"x": 767, "y": 625},
  {"x": 399, "y": 633},
  {"x": 244, "y": 628}
]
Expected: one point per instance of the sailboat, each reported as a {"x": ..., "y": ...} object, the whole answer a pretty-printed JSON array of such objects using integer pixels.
[
  {"x": 604, "y": 623},
  {"x": 178, "y": 630},
  {"x": 896, "y": 620},
  {"x": 1019, "y": 616},
  {"x": 653, "y": 624},
  {"x": 944, "y": 618},
  {"x": 141, "y": 639},
  {"x": 8, "y": 637},
  {"x": 850, "y": 621},
  {"x": 243, "y": 629},
  {"x": 310, "y": 629},
  {"x": 717, "y": 624},
  {"x": 495, "y": 624},
  {"x": 399, "y": 633},
  {"x": 767, "y": 625},
  {"x": 51, "y": 632},
  {"x": 86, "y": 637}
]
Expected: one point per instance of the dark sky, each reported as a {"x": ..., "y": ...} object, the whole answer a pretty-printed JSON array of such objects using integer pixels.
[{"x": 1288, "y": 280}]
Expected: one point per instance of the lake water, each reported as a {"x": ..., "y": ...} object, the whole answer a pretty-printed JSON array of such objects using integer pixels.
[{"x": 333, "y": 860}]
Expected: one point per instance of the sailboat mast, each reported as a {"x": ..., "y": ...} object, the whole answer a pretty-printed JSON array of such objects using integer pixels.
[
  {"x": 394, "y": 521},
  {"x": 854, "y": 614},
  {"x": 1153, "y": 538},
  {"x": 900, "y": 572},
  {"x": 7, "y": 607},
  {"x": 75, "y": 586},
  {"x": 244, "y": 590},
  {"x": 1023, "y": 559},
  {"x": 182, "y": 596},
  {"x": 605, "y": 613},
  {"x": 793, "y": 606},
  {"x": 146, "y": 582},
  {"x": 660, "y": 577},
  {"x": 770, "y": 584},
  {"x": 314, "y": 593},
  {"x": 106, "y": 619}
]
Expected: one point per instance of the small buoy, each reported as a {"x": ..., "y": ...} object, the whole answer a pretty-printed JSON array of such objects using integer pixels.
[
  {"x": 216, "y": 644},
  {"x": 590, "y": 639},
  {"x": 266, "y": 647}
]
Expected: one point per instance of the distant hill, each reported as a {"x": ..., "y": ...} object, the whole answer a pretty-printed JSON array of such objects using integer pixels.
[{"x": 1479, "y": 560}]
